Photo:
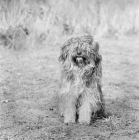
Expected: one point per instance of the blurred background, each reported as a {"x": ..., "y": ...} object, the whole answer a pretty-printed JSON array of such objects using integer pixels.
[{"x": 37, "y": 22}]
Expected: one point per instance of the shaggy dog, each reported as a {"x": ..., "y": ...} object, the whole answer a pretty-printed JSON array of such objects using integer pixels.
[{"x": 80, "y": 95}]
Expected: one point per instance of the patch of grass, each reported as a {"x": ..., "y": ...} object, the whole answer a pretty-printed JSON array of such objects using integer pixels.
[{"x": 29, "y": 87}]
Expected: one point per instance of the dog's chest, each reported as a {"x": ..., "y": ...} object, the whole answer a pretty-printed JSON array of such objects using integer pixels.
[{"x": 79, "y": 85}]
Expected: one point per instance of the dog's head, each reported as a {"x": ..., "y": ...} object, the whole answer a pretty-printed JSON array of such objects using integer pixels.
[{"x": 80, "y": 53}]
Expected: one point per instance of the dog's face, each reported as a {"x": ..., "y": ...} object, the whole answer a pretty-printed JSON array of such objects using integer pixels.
[
  {"x": 80, "y": 53},
  {"x": 81, "y": 56}
]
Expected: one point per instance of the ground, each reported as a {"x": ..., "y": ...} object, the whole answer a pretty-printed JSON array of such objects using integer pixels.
[{"x": 29, "y": 83}]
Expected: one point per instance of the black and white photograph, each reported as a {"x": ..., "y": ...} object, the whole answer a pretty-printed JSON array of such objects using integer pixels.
[{"x": 69, "y": 69}]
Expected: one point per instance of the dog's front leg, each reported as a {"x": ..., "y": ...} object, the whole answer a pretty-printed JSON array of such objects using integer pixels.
[
  {"x": 70, "y": 109},
  {"x": 85, "y": 111}
]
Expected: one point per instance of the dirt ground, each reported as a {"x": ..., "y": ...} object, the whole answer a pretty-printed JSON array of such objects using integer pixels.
[{"x": 29, "y": 83}]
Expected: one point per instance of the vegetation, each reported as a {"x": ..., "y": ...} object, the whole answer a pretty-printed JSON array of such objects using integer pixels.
[{"x": 49, "y": 21}]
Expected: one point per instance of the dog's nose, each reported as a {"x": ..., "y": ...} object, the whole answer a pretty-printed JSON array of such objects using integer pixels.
[{"x": 79, "y": 52}]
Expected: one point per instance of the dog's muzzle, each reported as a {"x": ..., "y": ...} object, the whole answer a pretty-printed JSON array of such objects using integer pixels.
[{"x": 79, "y": 61}]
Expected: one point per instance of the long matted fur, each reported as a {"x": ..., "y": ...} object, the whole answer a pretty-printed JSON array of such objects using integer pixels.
[{"x": 81, "y": 73}]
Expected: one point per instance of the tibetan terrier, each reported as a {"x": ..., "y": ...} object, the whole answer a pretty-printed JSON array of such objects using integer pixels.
[{"x": 80, "y": 96}]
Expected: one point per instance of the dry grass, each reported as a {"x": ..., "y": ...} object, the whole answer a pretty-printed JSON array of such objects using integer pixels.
[
  {"x": 30, "y": 83},
  {"x": 49, "y": 21}
]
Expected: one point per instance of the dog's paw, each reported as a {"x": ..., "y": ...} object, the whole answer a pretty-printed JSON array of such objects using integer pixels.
[
  {"x": 84, "y": 117},
  {"x": 84, "y": 122},
  {"x": 69, "y": 121}
]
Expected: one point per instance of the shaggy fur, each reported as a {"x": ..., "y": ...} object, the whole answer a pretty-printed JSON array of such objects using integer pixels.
[{"x": 81, "y": 74}]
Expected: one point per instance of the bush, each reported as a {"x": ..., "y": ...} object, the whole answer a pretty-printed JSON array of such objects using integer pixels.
[{"x": 15, "y": 38}]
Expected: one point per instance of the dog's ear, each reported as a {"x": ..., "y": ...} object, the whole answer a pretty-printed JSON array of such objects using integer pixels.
[
  {"x": 95, "y": 48},
  {"x": 98, "y": 59},
  {"x": 65, "y": 49},
  {"x": 63, "y": 54}
]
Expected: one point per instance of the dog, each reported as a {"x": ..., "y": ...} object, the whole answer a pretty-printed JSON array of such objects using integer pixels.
[{"x": 80, "y": 95}]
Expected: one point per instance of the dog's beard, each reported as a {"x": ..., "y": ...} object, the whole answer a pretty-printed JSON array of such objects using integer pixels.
[
  {"x": 79, "y": 61},
  {"x": 82, "y": 63},
  {"x": 83, "y": 70}
]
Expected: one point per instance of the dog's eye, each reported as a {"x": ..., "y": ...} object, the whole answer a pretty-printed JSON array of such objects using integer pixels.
[
  {"x": 92, "y": 55},
  {"x": 88, "y": 62}
]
